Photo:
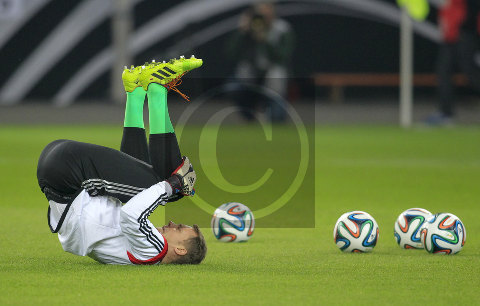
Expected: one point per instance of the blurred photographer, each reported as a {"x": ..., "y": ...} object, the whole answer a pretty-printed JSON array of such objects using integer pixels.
[
  {"x": 262, "y": 48},
  {"x": 459, "y": 24}
]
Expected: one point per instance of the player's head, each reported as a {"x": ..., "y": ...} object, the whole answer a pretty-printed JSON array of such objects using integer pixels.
[
  {"x": 186, "y": 244},
  {"x": 267, "y": 10}
]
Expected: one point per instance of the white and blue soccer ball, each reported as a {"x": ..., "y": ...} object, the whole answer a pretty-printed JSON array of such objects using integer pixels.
[
  {"x": 356, "y": 231},
  {"x": 443, "y": 233},
  {"x": 233, "y": 222},
  {"x": 407, "y": 227}
]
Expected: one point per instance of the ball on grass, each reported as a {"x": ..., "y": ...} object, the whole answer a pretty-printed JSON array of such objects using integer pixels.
[
  {"x": 407, "y": 227},
  {"x": 233, "y": 222},
  {"x": 356, "y": 231},
  {"x": 443, "y": 233}
]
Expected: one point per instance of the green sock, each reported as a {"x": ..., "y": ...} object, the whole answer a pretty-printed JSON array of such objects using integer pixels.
[
  {"x": 158, "y": 110},
  {"x": 134, "y": 108}
]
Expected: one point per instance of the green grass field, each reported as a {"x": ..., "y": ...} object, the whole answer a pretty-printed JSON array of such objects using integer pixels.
[{"x": 382, "y": 170}]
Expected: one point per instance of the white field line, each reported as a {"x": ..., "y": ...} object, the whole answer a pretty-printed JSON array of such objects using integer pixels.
[{"x": 397, "y": 163}]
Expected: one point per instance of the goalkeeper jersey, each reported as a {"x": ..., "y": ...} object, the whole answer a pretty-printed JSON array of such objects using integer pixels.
[{"x": 101, "y": 228}]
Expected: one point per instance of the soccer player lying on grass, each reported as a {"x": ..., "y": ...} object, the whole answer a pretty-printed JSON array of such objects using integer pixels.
[{"x": 86, "y": 184}]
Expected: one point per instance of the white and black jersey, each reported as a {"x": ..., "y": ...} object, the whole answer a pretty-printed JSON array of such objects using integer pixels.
[
  {"x": 86, "y": 185},
  {"x": 107, "y": 231}
]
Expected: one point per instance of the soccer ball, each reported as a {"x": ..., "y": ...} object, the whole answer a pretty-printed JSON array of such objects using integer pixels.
[
  {"x": 443, "y": 233},
  {"x": 356, "y": 231},
  {"x": 407, "y": 228},
  {"x": 233, "y": 222}
]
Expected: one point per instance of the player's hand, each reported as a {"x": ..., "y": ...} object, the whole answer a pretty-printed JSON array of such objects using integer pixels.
[{"x": 183, "y": 178}]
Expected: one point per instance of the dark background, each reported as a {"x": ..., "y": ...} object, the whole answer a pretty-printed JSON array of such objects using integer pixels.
[{"x": 325, "y": 43}]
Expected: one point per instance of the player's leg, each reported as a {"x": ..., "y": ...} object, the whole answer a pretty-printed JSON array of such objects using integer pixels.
[
  {"x": 445, "y": 87},
  {"x": 134, "y": 139},
  {"x": 157, "y": 79},
  {"x": 276, "y": 80},
  {"x": 66, "y": 167},
  {"x": 163, "y": 145},
  {"x": 245, "y": 99}
]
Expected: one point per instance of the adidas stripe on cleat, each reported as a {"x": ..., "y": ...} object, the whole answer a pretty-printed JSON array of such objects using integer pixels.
[{"x": 168, "y": 73}]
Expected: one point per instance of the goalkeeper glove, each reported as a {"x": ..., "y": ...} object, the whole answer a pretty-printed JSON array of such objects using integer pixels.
[{"x": 183, "y": 179}]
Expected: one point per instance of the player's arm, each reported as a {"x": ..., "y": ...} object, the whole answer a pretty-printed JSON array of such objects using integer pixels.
[{"x": 146, "y": 244}]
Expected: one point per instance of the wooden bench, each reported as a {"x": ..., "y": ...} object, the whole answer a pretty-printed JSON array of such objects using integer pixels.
[{"x": 338, "y": 81}]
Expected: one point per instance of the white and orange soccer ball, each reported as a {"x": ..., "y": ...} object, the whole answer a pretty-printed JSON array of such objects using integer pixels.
[
  {"x": 356, "y": 231},
  {"x": 407, "y": 227},
  {"x": 443, "y": 233},
  {"x": 233, "y": 222}
]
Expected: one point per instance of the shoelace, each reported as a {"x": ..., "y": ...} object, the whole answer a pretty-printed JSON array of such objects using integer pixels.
[{"x": 173, "y": 86}]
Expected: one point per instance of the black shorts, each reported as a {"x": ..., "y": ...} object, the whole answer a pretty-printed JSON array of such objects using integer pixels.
[{"x": 67, "y": 167}]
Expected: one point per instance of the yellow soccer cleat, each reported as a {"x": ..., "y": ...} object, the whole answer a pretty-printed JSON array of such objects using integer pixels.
[
  {"x": 169, "y": 73},
  {"x": 130, "y": 78}
]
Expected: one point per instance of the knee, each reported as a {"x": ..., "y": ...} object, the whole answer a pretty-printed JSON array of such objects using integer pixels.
[{"x": 50, "y": 154}]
